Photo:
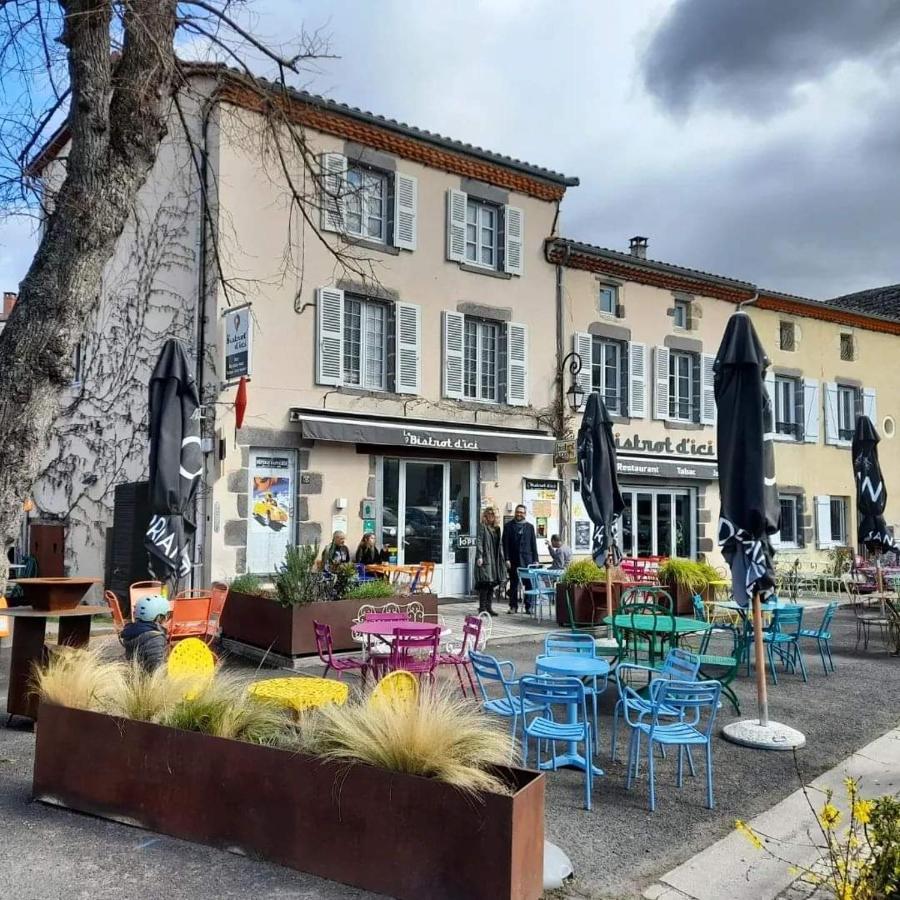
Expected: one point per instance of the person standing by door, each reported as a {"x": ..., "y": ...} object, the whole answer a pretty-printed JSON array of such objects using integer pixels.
[
  {"x": 520, "y": 550},
  {"x": 490, "y": 568}
]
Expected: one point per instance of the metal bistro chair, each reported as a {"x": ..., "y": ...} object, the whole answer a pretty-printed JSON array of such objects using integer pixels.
[
  {"x": 325, "y": 649},
  {"x": 822, "y": 636},
  {"x": 562, "y": 642},
  {"x": 866, "y": 618},
  {"x": 416, "y": 651},
  {"x": 112, "y": 601},
  {"x": 689, "y": 700},
  {"x": 783, "y": 638},
  {"x": 542, "y": 590},
  {"x": 190, "y": 615},
  {"x": 545, "y": 692},
  {"x": 459, "y": 658}
]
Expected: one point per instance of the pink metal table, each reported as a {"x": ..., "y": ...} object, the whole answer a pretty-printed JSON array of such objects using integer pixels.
[{"x": 386, "y": 629}]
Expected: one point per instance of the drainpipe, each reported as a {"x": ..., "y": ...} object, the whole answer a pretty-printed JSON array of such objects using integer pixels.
[{"x": 561, "y": 397}]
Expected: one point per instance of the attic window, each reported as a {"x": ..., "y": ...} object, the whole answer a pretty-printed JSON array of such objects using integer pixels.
[
  {"x": 848, "y": 348},
  {"x": 787, "y": 337}
]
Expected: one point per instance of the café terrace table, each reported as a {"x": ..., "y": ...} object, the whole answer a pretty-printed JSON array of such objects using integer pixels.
[
  {"x": 573, "y": 665},
  {"x": 29, "y": 634}
]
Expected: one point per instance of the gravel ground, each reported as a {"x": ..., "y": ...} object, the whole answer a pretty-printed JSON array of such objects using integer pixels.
[{"x": 617, "y": 848}]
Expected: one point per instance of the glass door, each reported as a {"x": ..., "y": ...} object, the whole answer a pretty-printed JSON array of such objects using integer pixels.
[
  {"x": 659, "y": 522},
  {"x": 422, "y": 502}
]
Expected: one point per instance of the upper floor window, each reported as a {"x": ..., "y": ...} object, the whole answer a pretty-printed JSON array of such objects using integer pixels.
[
  {"x": 848, "y": 348},
  {"x": 681, "y": 385},
  {"x": 788, "y": 405},
  {"x": 365, "y": 343},
  {"x": 480, "y": 360},
  {"x": 787, "y": 336},
  {"x": 847, "y": 398},
  {"x": 831, "y": 520},
  {"x": 681, "y": 314},
  {"x": 482, "y": 232},
  {"x": 608, "y": 299},
  {"x": 365, "y": 204},
  {"x": 606, "y": 373},
  {"x": 838, "y": 509}
]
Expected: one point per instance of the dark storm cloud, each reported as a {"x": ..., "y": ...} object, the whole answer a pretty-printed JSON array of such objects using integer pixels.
[{"x": 749, "y": 54}]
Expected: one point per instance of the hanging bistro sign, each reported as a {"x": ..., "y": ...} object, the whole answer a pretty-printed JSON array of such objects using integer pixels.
[{"x": 238, "y": 342}]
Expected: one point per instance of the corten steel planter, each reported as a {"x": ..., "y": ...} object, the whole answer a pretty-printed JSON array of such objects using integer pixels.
[
  {"x": 52, "y": 594},
  {"x": 288, "y": 630},
  {"x": 682, "y": 596},
  {"x": 583, "y": 606},
  {"x": 400, "y": 835}
]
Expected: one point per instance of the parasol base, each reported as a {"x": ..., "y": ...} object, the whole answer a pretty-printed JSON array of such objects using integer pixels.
[{"x": 774, "y": 736}]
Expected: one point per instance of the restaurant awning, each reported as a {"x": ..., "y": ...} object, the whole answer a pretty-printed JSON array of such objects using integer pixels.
[{"x": 416, "y": 433}]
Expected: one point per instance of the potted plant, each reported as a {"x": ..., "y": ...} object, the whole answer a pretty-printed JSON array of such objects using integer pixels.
[
  {"x": 573, "y": 593},
  {"x": 203, "y": 760},
  {"x": 684, "y": 578},
  {"x": 279, "y": 620}
]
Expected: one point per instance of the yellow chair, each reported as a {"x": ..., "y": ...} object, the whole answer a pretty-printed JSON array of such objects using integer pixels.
[
  {"x": 299, "y": 694},
  {"x": 191, "y": 658},
  {"x": 396, "y": 690}
]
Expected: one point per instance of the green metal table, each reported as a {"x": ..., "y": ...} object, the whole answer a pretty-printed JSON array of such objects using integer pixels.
[{"x": 662, "y": 624}]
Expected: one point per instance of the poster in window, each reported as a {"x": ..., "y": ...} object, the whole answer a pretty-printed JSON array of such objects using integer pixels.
[
  {"x": 581, "y": 524},
  {"x": 270, "y": 529},
  {"x": 238, "y": 340},
  {"x": 540, "y": 496}
]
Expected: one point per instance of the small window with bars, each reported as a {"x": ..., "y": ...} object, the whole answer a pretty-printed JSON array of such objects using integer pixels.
[
  {"x": 848, "y": 348},
  {"x": 787, "y": 336}
]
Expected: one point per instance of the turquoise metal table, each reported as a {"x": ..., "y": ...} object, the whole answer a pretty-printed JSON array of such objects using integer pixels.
[
  {"x": 660, "y": 625},
  {"x": 573, "y": 665}
]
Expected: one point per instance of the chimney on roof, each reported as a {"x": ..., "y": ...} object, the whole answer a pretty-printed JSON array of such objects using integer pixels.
[
  {"x": 637, "y": 246},
  {"x": 9, "y": 301}
]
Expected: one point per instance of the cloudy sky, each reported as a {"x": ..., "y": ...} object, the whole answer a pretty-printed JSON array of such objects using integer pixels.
[{"x": 754, "y": 138}]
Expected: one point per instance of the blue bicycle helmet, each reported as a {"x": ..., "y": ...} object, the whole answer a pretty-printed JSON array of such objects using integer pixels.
[{"x": 149, "y": 609}]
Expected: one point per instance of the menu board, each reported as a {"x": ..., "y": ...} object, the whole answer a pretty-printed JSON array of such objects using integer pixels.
[{"x": 540, "y": 497}]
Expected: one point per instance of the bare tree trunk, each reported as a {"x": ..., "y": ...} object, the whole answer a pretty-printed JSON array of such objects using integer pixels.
[{"x": 116, "y": 120}]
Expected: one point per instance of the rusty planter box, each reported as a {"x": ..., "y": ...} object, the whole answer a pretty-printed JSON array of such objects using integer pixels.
[
  {"x": 586, "y": 608},
  {"x": 399, "y": 835},
  {"x": 682, "y": 597},
  {"x": 288, "y": 630}
]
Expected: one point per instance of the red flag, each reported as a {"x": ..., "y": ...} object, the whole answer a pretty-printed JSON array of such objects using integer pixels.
[{"x": 240, "y": 402}]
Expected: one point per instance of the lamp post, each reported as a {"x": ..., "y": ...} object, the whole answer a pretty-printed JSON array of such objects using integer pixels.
[{"x": 575, "y": 393}]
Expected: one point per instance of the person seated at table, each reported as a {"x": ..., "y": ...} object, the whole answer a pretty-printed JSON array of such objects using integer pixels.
[
  {"x": 144, "y": 639},
  {"x": 367, "y": 553},
  {"x": 559, "y": 552},
  {"x": 337, "y": 553}
]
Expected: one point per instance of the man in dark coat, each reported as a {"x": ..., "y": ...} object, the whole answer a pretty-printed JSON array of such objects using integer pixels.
[{"x": 519, "y": 549}]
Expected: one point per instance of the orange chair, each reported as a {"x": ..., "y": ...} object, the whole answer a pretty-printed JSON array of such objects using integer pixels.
[
  {"x": 112, "y": 601},
  {"x": 190, "y": 615},
  {"x": 4, "y": 620},
  {"x": 424, "y": 577},
  {"x": 218, "y": 596}
]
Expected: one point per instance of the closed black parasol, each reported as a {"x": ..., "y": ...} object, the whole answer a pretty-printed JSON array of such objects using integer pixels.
[
  {"x": 599, "y": 482},
  {"x": 750, "y": 512},
  {"x": 175, "y": 463},
  {"x": 871, "y": 493}
]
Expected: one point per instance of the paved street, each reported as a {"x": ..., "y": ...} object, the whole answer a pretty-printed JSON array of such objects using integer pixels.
[{"x": 618, "y": 849}]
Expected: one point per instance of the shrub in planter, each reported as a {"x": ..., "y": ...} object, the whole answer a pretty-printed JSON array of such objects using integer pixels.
[
  {"x": 685, "y": 578},
  {"x": 573, "y": 591},
  {"x": 581, "y": 572},
  {"x": 376, "y": 589}
]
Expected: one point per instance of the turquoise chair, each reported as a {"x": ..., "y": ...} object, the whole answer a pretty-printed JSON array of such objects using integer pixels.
[
  {"x": 783, "y": 638},
  {"x": 542, "y": 590},
  {"x": 558, "y": 642},
  {"x": 822, "y": 636},
  {"x": 691, "y": 701},
  {"x": 545, "y": 692}
]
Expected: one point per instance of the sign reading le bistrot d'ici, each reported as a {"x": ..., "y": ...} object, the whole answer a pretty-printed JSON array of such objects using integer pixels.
[{"x": 238, "y": 341}]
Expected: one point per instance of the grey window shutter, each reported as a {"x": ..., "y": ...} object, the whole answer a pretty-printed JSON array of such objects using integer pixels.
[
  {"x": 406, "y": 191},
  {"x": 869, "y": 406},
  {"x": 696, "y": 388},
  {"x": 456, "y": 225},
  {"x": 454, "y": 330},
  {"x": 823, "y": 522},
  {"x": 661, "y": 383},
  {"x": 583, "y": 345},
  {"x": 332, "y": 190},
  {"x": 801, "y": 508},
  {"x": 408, "y": 354},
  {"x": 514, "y": 240},
  {"x": 624, "y": 372},
  {"x": 799, "y": 411},
  {"x": 831, "y": 413},
  {"x": 637, "y": 380},
  {"x": 516, "y": 364},
  {"x": 810, "y": 410},
  {"x": 330, "y": 328},
  {"x": 707, "y": 390}
]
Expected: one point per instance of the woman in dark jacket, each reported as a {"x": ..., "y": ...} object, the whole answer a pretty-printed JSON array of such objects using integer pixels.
[
  {"x": 490, "y": 566},
  {"x": 367, "y": 553}
]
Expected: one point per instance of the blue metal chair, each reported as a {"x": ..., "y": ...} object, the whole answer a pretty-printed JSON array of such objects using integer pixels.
[
  {"x": 362, "y": 575},
  {"x": 542, "y": 692},
  {"x": 542, "y": 590},
  {"x": 558, "y": 642},
  {"x": 783, "y": 638},
  {"x": 822, "y": 636},
  {"x": 489, "y": 668},
  {"x": 679, "y": 665},
  {"x": 699, "y": 608},
  {"x": 690, "y": 700}
]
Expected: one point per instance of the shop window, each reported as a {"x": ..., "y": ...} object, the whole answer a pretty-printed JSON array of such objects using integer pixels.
[
  {"x": 788, "y": 406},
  {"x": 606, "y": 373},
  {"x": 681, "y": 386},
  {"x": 787, "y": 336}
]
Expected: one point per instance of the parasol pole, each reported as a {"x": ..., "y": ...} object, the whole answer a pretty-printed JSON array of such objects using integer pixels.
[
  {"x": 609, "y": 583},
  {"x": 762, "y": 697}
]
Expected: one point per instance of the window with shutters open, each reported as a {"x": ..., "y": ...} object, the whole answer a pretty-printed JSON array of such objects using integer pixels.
[
  {"x": 606, "y": 373},
  {"x": 485, "y": 361},
  {"x": 788, "y": 406},
  {"x": 485, "y": 235},
  {"x": 681, "y": 386}
]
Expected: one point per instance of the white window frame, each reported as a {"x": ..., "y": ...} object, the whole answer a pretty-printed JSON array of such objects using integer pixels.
[
  {"x": 675, "y": 379},
  {"x": 612, "y": 291},
  {"x": 787, "y": 385},
  {"x": 480, "y": 209},
  {"x": 482, "y": 329},
  {"x": 846, "y": 425},
  {"x": 794, "y": 501},
  {"x": 598, "y": 347},
  {"x": 681, "y": 310},
  {"x": 842, "y": 505},
  {"x": 368, "y": 178},
  {"x": 366, "y": 351}
]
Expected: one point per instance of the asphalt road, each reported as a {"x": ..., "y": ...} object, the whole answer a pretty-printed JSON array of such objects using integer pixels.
[{"x": 616, "y": 848}]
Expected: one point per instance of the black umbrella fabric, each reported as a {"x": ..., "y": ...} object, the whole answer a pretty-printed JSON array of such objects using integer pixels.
[
  {"x": 175, "y": 463},
  {"x": 871, "y": 493},
  {"x": 750, "y": 511},
  {"x": 599, "y": 483}
]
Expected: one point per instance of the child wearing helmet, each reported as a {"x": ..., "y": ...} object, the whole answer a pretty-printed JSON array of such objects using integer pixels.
[{"x": 144, "y": 639}]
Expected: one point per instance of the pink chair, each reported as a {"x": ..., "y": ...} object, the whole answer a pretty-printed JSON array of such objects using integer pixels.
[
  {"x": 459, "y": 659},
  {"x": 416, "y": 651},
  {"x": 378, "y": 650},
  {"x": 325, "y": 649}
]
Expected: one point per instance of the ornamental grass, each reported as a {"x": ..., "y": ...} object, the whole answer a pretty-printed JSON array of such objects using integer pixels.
[{"x": 80, "y": 679}]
